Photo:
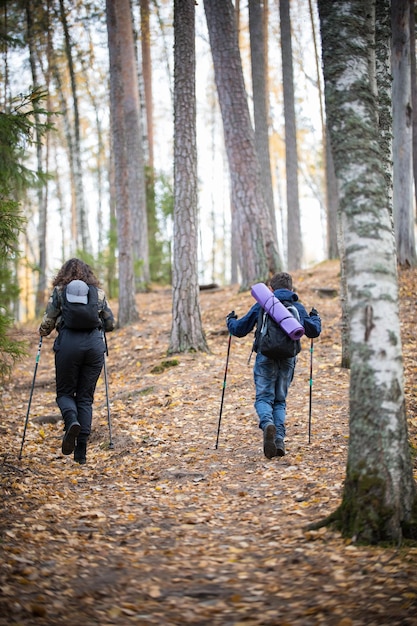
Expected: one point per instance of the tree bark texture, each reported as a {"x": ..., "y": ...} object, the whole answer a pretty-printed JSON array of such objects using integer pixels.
[
  {"x": 379, "y": 491},
  {"x": 116, "y": 36},
  {"x": 134, "y": 144},
  {"x": 258, "y": 253},
  {"x": 260, "y": 108},
  {"x": 186, "y": 330},
  {"x": 294, "y": 240},
  {"x": 413, "y": 91},
  {"x": 402, "y": 134},
  {"x": 147, "y": 75}
]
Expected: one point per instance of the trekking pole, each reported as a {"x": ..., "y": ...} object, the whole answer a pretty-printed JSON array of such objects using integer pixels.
[
  {"x": 38, "y": 356},
  {"x": 311, "y": 390},
  {"x": 106, "y": 353},
  {"x": 223, "y": 390}
]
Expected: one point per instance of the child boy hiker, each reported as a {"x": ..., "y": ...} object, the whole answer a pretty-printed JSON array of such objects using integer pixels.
[{"x": 273, "y": 377}]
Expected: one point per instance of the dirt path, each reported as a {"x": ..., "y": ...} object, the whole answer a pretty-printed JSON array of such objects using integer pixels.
[{"x": 165, "y": 528}]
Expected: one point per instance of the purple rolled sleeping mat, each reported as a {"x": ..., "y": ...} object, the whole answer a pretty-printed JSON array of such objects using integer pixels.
[{"x": 277, "y": 311}]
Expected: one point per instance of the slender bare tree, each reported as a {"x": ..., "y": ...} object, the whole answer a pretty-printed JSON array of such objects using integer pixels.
[
  {"x": 147, "y": 75},
  {"x": 83, "y": 231},
  {"x": 42, "y": 197},
  {"x": 294, "y": 241}
]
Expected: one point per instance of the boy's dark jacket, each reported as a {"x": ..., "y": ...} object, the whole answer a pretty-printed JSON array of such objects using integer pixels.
[{"x": 241, "y": 327}]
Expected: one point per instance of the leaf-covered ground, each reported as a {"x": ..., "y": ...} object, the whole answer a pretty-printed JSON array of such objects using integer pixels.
[{"x": 165, "y": 528}]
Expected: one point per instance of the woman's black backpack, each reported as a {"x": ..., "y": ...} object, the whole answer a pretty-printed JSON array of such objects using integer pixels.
[{"x": 79, "y": 316}]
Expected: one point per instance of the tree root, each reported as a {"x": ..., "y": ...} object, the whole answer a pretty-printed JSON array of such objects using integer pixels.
[{"x": 334, "y": 519}]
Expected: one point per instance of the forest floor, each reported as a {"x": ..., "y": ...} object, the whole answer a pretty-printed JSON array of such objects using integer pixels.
[{"x": 166, "y": 528}]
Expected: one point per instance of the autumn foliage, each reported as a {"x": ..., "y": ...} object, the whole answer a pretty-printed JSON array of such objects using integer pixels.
[{"x": 166, "y": 529}]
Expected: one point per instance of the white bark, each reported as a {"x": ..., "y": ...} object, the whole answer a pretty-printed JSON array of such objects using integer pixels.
[{"x": 379, "y": 488}]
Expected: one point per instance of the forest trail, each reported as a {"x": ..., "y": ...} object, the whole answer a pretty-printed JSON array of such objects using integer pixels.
[{"x": 166, "y": 529}]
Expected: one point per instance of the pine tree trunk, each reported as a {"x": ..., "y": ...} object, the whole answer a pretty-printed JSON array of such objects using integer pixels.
[
  {"x": 186, "y": 331},
  {"x": 260, "y": 108},
  {"x": 133, "y": 144},
  {"x": 116, "y": 33},
  {"x": 258, "y": 254},
  {"x": 147, "y": 76}
]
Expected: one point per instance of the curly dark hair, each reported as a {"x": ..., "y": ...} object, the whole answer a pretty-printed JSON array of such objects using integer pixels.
[
  {"x": 282, "y": 280},
  {"x": 75, "y": 269}
]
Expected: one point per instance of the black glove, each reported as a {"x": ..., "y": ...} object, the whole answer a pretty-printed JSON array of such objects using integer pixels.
[
  {"x": 314, "y": 312},
  {"x": 231, "y": 316}
]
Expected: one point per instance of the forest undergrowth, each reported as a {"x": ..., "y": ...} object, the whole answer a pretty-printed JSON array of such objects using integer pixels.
[{"x": 166, "y": 529}]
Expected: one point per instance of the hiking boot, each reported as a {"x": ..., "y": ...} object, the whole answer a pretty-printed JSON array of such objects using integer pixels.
[
  {"x": 80, "y": 452},
  {"x": 280, "y": 446},
  {"x": 270, "y": 449},
  {"x": 72, "y": 429}
]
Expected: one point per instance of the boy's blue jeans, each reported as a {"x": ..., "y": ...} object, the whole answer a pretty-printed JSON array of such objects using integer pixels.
[{"x": 272, "y": 381}]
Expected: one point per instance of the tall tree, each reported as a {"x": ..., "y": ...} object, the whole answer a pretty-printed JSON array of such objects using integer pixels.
[
  {"x": 83, "y": 232},
  {"x": 413, "y": 90},
  {"x": 294, "y": 241},
  {"x": 147, "y": 75},
  {"x": 259, "y": 66},
  {"x": 17, "y": 132},
  {"x": 99, "y": 165},
  {"x": 32, "y": 36},
  {"x": 332, "y": 204},
  {"x": 119, "y": 29},
  {"x": 379, "y": 496},
  {"x": 258, "y": 253},
  {"x": 186, "y": 330},
  {"x": 152, "y": 221},
  {"x": 402, "y": 112},
  {"x": 134, "y": 147}
]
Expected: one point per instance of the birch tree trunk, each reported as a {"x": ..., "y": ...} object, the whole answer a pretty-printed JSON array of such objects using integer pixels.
[
  {"x": 379, "y": 491},
  {"x": 186, "y": 330},
  {"x": 413, "y": 92},
  {"x": 116, "y": 37},
  {"x": 258, "y": 253},
  {"x": 402, "y": 134}
]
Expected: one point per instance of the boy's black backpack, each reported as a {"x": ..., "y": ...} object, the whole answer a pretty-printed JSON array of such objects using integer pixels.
[
  {"x": 78, "y": 316},
  {"x": 271, "y": 340}
]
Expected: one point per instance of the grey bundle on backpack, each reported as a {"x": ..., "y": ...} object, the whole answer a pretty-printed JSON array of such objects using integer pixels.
[
  {"x": 271, "y": 340},
  {"x": 80, "y": 306}
]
